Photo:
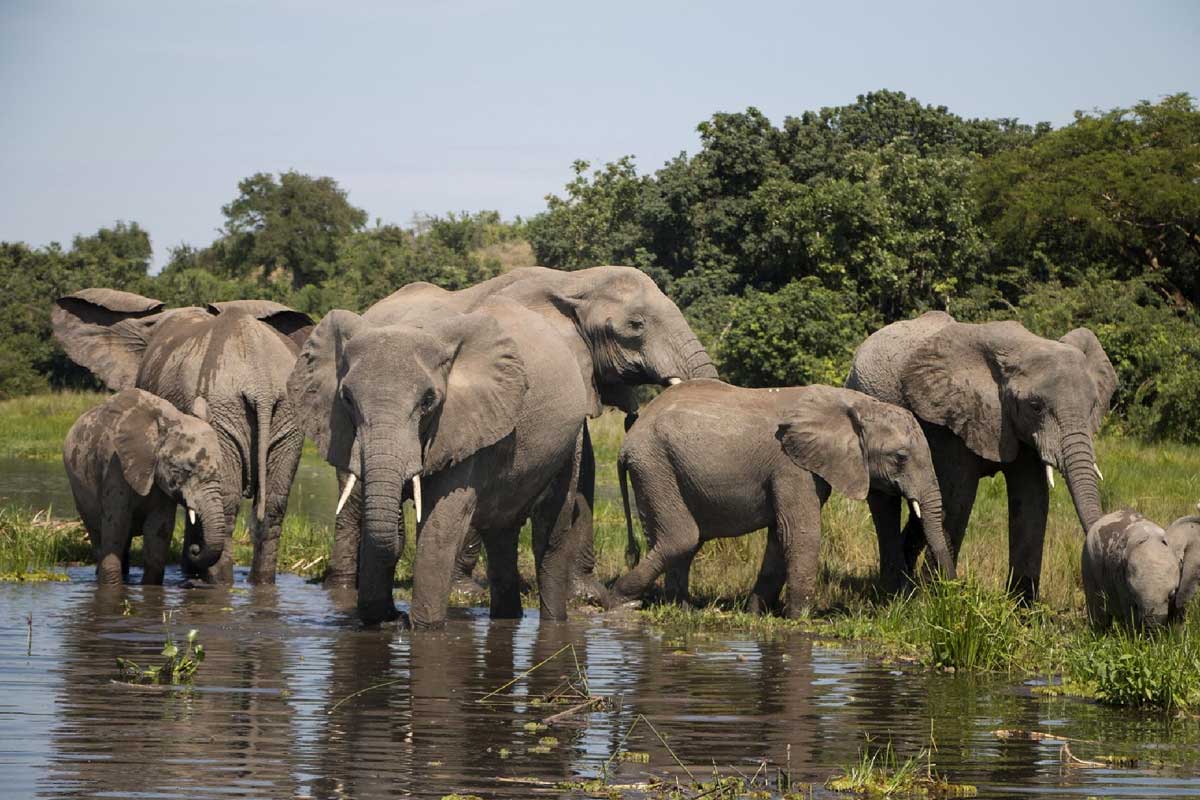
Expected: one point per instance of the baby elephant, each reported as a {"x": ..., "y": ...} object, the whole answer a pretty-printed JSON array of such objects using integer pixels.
[
  {"x": 1184, "y": 537},
  {"x": 130, "y": 461},
  {"x": 712, "y": 460},
  {"x": 1130, "y": 571}
]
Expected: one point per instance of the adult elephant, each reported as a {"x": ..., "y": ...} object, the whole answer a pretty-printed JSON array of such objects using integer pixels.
[
  {"x": 992, "y": 397},
  {"x": 237, "y": 356},
  {"x": 476, "y": 417},
  {"x": 621, "y": 332}
]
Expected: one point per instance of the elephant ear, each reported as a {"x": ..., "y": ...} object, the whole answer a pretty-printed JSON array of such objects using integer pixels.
[
  {"x": 315, "y": 388},
  {"x": 1099, "y": 367},
  {"x": 822, "y": 434},
  {"x": 106, "y": 331},
  {"x": 136, "y": 440},
  {"x": 484, "y": 389},
  {"x": 951, "y": 380},
  {"x": 293, "y": 325}
]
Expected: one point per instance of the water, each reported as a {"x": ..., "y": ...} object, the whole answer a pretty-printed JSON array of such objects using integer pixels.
[
  {"x": 43, "y": 484},
  {"x": 265, "y": 720}
]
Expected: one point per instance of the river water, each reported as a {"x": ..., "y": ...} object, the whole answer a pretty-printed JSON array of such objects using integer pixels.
[{"x": 275, "y": 713}]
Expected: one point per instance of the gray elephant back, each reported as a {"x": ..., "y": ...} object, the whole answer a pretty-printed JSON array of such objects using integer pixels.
[{"x": 880, "y": 359}]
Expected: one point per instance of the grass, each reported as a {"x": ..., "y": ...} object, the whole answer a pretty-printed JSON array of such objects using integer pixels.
[
  {"x": 969, "y": 624},
  {"x": 879, "y": 772}
]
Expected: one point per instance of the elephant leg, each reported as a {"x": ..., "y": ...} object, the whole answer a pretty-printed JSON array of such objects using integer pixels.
[
  {"x": 555, "y": 549},
  {"x": 343, "y": 558},
  {"x": 125, "y": 555},
  {"x": 772, "y": 575},
  {"x": 671, "y": 533},
  {"x": 282, "y": 462},
  {"x": 156, "y": 541},
  {"x": 503, "y": 578},
  {"x": 584, "y": 583},
  {"x": 438, "y": 541},
  {"x": 1028, "y": 505},
  {"x": 678, "y": 576},
  {"x": 893, "y": 566},
  {"x": 464, "y": 564},
  {"x": 798, "y": 526}
]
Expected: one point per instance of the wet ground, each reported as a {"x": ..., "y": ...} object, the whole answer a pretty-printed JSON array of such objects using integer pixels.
[{"x": 294, "y": 699}]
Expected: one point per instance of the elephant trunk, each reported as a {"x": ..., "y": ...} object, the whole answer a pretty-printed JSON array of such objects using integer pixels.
[
  {"x": 209, "y": 508},
  {"x": 384, "y": 477},
  {"x": 1078, "y": 467},
  {"x": 930, "y": 501},
  {"x": 696, "y": 362},
  {"x": 263, "y": 407}
]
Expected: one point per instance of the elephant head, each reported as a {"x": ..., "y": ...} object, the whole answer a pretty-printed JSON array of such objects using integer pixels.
[
  {"x": 998, "y": 386},
  {"x": 157, "y": 445},
  {"x": 1184, "y": 537},
  {"x": 856, "y": 443},
  {"x": 1130, "y": 571},
  {"x": 633, "y": 333},
  {"x": 393, "y": 403}
]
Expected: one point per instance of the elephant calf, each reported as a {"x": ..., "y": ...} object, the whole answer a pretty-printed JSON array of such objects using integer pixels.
[
  {"x": 1184, "y": 537},
  {"x": 711, "y": 460},
  {"x": 1130, "y": 571},
  {"x": 130, "y": 461}
]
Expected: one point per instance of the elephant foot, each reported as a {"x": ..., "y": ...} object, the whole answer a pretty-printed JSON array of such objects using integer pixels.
[
  {"x": 469, "y": 587},
  {"x": 340, "y": 580},
  {"x": 262, "y": 579},
  {"x": 378, "y": 611},
  {"x": 590, "y": 590}
]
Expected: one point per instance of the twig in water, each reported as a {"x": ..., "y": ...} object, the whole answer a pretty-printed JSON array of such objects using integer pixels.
[
  {"x": 529, "y": 671},
  {"x": 1070, "y": 759},
  {"x": 636, "y": 720},
  {"x": 363, "y": 691},
  {"x": 29, "y": 634},
  {"x": 575, "y": 709}
]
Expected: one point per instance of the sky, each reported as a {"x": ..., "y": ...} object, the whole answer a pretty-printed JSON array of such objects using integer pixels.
[{"x": 152, "y": 111}]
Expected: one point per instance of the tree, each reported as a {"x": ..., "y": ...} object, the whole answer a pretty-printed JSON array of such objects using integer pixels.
[{"x": 293, "y": 224}]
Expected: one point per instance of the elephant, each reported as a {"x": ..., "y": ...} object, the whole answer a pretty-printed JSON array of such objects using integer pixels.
[
  {"x": 1184, "y": 537},
  {"x": 1130, "y": 571},
  {"x": 237, "y": 356},
  {"x": 711, "y": 460},
  {"x": 621, "y": 331},
  {"x": 991, "y": 397},
  {"x": 130, "y": 461},
  {"x": 477, "y": 416}
]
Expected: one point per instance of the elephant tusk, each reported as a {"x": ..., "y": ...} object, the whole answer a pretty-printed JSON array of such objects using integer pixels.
[
  {"x": 417, "y": 496},
  {"x": 1050, "y": 475},
  {"x": 673, "y": 381},
  {"x": 1099, "y": 474},
  {"x": 916, "y": 508},
  {"x": 191, "y": 516},
  {"x": 345, "y": 493}
]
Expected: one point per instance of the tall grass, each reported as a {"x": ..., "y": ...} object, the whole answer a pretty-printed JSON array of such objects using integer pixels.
[
  {"x": 33, "y": 542},
  {"x": 34, "y": 427}
]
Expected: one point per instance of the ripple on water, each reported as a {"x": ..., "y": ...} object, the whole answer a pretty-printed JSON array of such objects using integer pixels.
[{"x": 295, "y": 699}]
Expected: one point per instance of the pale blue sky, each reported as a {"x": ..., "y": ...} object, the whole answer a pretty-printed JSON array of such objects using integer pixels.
[{"x": 152, "y": 111}]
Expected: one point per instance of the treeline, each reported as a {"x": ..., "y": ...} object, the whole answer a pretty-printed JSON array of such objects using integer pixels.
[{"x": 785, "y": 245}]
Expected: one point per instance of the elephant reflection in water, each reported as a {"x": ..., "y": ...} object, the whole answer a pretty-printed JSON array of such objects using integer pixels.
[
  {"x": 425, "y": 731},
  {"x": 121, "y": 741}
]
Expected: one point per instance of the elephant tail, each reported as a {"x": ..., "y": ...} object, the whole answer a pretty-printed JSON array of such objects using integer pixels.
[
  {"x": 633, "y": 553},
  {"x": 263, "y": 405}
]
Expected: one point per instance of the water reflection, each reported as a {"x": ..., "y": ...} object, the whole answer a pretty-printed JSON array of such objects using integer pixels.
[{"x": 295, "y": 699}]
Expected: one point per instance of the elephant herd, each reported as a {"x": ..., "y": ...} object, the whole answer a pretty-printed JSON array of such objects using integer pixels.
[{"x": 473, "y": 404}]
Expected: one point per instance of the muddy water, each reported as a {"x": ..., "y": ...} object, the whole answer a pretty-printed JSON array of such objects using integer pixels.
[{"x": 275, "y": 713}]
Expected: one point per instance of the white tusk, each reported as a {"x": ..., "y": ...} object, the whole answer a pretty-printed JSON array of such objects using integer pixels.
[
  {"x": 916, "y": 508},
  {"x": 1050, "y": 475},
  {"x": 1099, "y": 474},
  {"x": 417, "y": 495},
  {"x": 191, "y": 516},
  {"x": 674, "y": 381},
  {"x": 345, "y": 493}
]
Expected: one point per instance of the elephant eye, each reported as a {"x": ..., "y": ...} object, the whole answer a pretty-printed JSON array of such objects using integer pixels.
[
  {"x": 1036, "y": 404},
  {"x": 428, "y": 400},
  {"x": 637, "y": 324}
]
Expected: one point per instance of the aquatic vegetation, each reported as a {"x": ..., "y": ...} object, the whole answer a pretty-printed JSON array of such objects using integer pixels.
[
  {"x": 31, "y": 543},
  {"x": 179, "y": 664},
  {"x": 1158, "y": 669},
  {"x": 879, "y": 772}
]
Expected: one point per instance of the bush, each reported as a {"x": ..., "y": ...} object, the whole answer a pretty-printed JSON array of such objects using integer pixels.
[{"x": 802, "y": 334}]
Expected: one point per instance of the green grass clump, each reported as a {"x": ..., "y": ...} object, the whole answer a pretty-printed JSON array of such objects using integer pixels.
[
  {"x": 1158, "y": 669},
  {"x": 967, "y": 626},
  {"x": 32, "y": 543},
  {"x": 34, "y": 427},
  {"x": 179, "y": 664},
  {"x": 879, "y": 772}
]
